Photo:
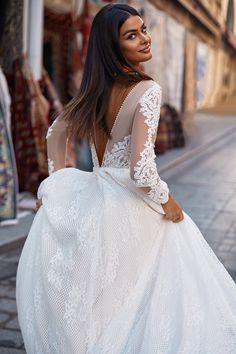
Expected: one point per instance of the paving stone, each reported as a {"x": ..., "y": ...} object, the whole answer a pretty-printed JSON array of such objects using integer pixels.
[
  {"x": 231, "y": 256},
  {"x": 5, "y": 290},
  {"x": 3, "y": 318},
  {"x": 7, "y": 269},
  {"x": 12, "y": 293},
  {"x": 231, "y": 205},
  {"x": 224, "y": 221},
  {"x": 8, "y": 291},
  {"x": 214, "y": 246},
  {"x": 13, "y": 324},
  {"x": 232, "y": 274},
  {"x": 5, "y": 282},
  {"x": 224, "y": 247},
  {"x": 11, "y": 351},
  {"x": 10, "y": 339},
  {"x": 230, "y": 264},
  {"x": 229, "y": 241},
  {"x": 8, "y": 305},
  {"x": 233, "y": 249},
  {"x": 206, "y": 189},
  {"x": 213, "y": 235}
]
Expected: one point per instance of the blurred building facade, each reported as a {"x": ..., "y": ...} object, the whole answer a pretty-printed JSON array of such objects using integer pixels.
[
  {"x": 42, "y": 52},
  {"x": 194, "y": 46}
]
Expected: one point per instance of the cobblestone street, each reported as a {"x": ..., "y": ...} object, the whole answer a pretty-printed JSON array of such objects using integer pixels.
[
  {"x": 205, "y": 186},
  {"x": 11, "y": 341}
]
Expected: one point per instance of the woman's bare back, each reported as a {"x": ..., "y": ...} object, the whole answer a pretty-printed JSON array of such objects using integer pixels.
[{"x": 118, "y": 94}]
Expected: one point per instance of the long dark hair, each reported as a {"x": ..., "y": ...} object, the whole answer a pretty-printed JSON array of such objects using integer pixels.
[{"x": 104, "y": 62}]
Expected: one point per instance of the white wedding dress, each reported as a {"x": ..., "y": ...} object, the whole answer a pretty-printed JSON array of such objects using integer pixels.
[{"x": 102, "y": 272}]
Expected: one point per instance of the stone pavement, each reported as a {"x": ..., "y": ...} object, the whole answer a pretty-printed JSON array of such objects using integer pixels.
[
  {"x": 205, "y": 186},
  {"x": 11, "y": 341},
  {"x": 204, "y": 182},
  {"x": 12, "y": 237},
  {"x": 201, "y": 130}
]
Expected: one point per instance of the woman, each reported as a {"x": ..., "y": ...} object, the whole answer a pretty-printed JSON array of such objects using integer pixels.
[{"x": 112, "y": 264}]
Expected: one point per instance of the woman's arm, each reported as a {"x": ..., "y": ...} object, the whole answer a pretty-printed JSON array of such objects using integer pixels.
[
  {"x": 56, "y": 145},
  {"x": 143, "y": 168},
  {"x": 56, "y": 148}
]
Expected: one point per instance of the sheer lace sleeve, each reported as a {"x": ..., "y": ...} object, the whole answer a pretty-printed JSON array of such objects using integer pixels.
[
  {"x": 56, "y": 145},
  {"x": 143, "y": 168}
]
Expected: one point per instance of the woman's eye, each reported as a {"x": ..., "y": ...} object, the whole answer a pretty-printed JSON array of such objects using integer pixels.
[{"x": 132, "y": 36}]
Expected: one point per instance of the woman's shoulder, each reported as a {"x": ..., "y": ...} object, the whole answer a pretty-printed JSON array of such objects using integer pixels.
[
  {"x": 147, "y": 89},
  {"x": 147, "y": 84}
]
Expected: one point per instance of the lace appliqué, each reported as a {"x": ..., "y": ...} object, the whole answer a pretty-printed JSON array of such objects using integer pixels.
[
  {"x": 145, "y": 171},
  {"x": 50, "y": 166},
  {"x": 50, "y": 129},
  {"x": 76, "y": 307},
  {"x": 119, "y": 156},
  {"x": 61, "y": 265}
]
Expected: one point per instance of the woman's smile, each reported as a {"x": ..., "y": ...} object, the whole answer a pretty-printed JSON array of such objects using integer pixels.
[
  {"x": 135, "y": 41},
  {"x": 147, "y": 49}
]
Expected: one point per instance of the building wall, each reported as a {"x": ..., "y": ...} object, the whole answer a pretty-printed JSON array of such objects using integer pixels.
[
  {"x": 214, "y": 8},
  {"x": 209, "y": 79},
  {"x": 194, "y": 66},
  {"x": 12, "y": 42}
]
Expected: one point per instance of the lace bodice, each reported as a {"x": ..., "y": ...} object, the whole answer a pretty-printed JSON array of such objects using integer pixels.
[
  {"x": 119, "y": 156},
  {"x": 132, "y": 141}
]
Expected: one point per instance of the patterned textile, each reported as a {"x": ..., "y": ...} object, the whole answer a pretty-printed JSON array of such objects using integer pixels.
[
  {"x": 166, "y": 114},
  {"x": 174, "y": 126},
  {"x": 80, "y": 35},
  {"x": 161, "y": 143},
  {"x": 22, "y": 130},
  {"x": 11, "y": 41},
  {"x": 50, "y": 93},
  {"x": 179, "y": 140},
  {"x": 57, "y": 50},
  {"x": 39, "y": 119},
  {"x": 29, "y": 126},
  {"x": 8, "y": 174},
  {"x": 5, "y": 99}
]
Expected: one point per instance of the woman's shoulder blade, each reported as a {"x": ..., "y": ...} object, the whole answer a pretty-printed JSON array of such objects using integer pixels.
[
  {"x": 147, "y": 85},
  {"x": 152, "y": 83},
  {"x": 146, "y": 88}
]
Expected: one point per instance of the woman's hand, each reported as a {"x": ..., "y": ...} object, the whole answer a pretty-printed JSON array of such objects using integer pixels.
[
  {"x": 173, "y": 210},
  {"x": 38, "y": 203}
]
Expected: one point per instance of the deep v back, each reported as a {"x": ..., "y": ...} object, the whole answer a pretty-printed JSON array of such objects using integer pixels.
[
  {"x": 125, "y": 107},
  {"x": 118, "y": 100}
]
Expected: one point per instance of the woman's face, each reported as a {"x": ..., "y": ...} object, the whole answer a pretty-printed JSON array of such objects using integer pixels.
[{"x": 135, "y": 41}]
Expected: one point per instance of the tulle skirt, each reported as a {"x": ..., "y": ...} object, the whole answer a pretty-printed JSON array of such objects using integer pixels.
[{"x": 102, "y": 272}]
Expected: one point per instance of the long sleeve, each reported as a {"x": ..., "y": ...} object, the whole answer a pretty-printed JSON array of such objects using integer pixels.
[
  {"x": 143, "y": 168},
  {"x": 56, "y": 145}
]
